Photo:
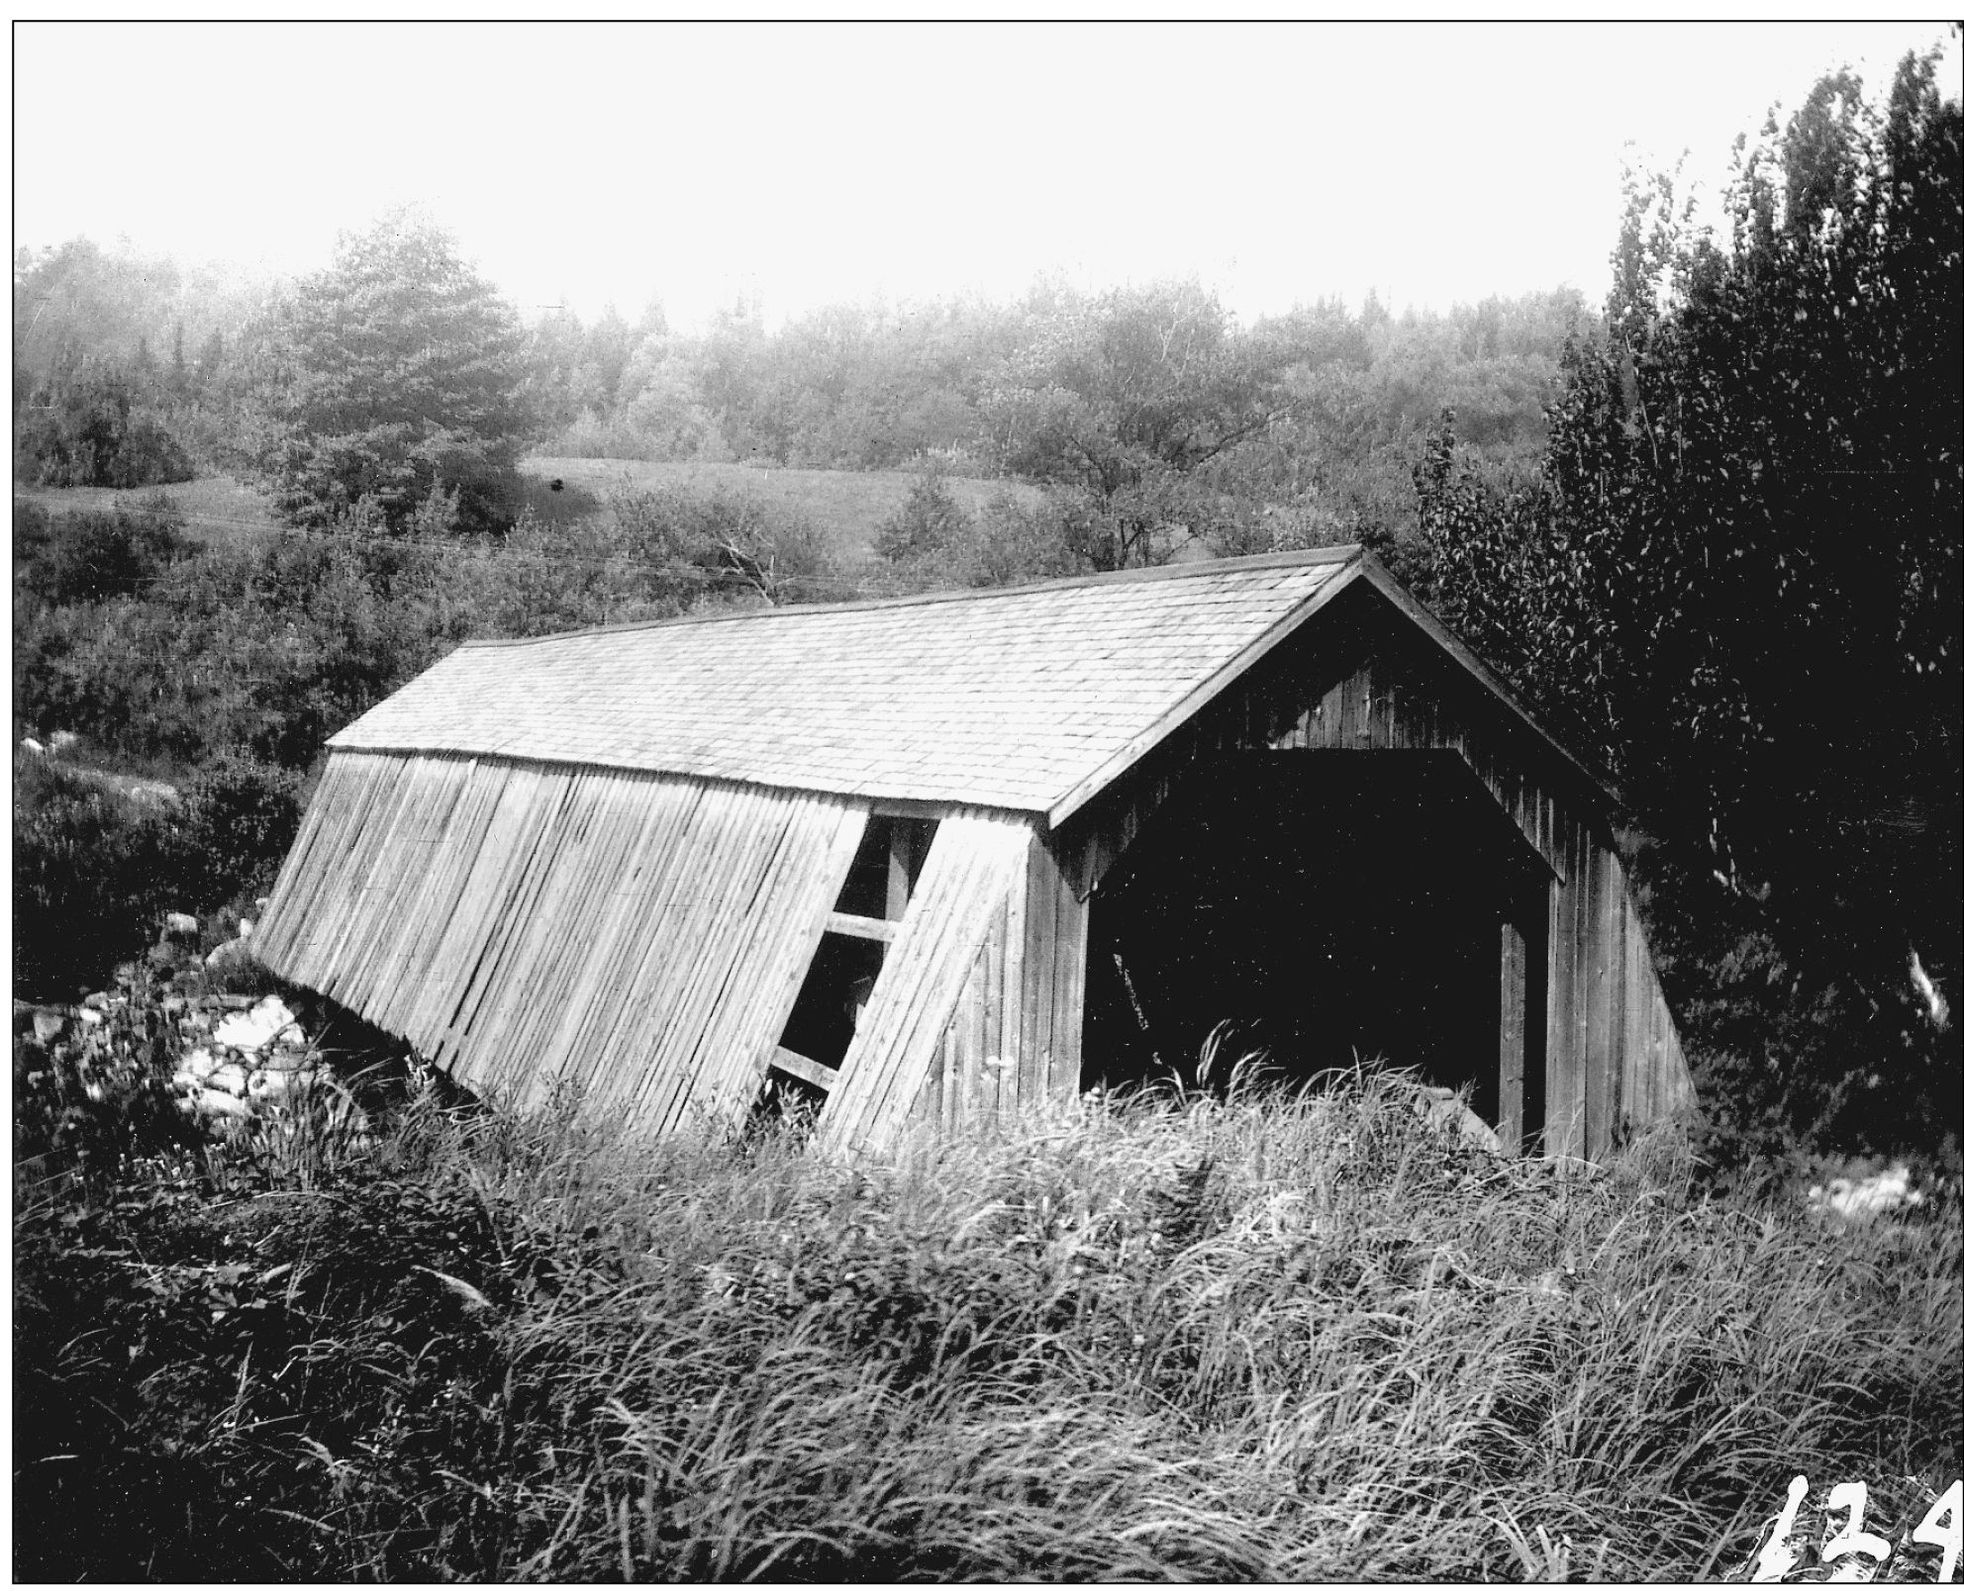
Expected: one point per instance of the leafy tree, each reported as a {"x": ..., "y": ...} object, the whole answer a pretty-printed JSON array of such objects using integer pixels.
[
  {"x": 1118, "y": 398},
  {"x": 89, "y": 429},
  {"x": 1737, "y": 579},
  {"x": 395, "y": 373}
]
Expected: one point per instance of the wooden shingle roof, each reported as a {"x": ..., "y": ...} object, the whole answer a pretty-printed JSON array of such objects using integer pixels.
[
  {"x": 1013, "y": 698},
  {"x": 1030, "y": 698}
]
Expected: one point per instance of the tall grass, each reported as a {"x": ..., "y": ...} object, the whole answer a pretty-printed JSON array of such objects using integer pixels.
[{"x": 1286, "y": 1338}]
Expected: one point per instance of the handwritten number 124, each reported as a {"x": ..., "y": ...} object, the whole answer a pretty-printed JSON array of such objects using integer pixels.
[{"x": 1942, "y": 1526}]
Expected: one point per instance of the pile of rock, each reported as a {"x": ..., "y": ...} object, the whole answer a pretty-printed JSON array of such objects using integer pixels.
[
  {"x": 1868, "y": 1197},
  {"x": 239, "y": 1061},
  {"x": 248, "y": 1054}
]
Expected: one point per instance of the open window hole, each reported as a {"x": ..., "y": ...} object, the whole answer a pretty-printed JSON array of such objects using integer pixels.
[{"x": 839, "y": 983}]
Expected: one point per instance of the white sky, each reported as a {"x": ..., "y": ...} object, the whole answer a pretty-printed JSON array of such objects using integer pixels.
[{"x": 815, "y": 163}]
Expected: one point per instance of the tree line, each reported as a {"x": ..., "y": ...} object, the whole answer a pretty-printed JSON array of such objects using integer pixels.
[{"x": 1142, "y": 409}]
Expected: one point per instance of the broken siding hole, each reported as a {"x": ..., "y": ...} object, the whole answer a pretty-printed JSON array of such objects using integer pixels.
[{"x": 858, "y": 932}]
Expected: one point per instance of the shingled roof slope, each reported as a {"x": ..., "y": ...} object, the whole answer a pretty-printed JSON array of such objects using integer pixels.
[{"x": 1013, "y": 698}]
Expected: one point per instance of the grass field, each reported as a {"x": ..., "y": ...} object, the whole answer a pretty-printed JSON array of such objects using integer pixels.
[
  {"x": 1303, "y": 1339},
  {"x": 846, "y": 506},
  {"x": 214, "y": 508}
]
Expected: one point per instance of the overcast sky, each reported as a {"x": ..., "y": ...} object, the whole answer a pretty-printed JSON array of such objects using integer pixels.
[{"x": 809, "y": 164}]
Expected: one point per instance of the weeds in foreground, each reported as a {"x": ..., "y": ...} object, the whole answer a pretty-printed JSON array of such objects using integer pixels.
[{"x": 1292, "y": 1339}]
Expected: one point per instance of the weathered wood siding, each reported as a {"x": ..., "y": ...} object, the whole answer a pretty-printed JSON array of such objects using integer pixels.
[
  {"x": 1365, "y": 678},
  {"x": 1016, "y": 1035},
  {"x": 635, "y": 939},
  {"x": 960, "y": 908}
]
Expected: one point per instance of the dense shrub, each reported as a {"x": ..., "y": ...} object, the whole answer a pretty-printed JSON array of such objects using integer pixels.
[
  {"x": 90, "y": 556},
  {"x": 32, "y": 525},
  {"x": 932, "y": 542},
  {"x": 95, "y": 871},
  {"x": 86, "y": 432},
  {"x": 240, "y": 818},
  {"x": 93, "y": 875},
  {"x": 724, "y": 542}
]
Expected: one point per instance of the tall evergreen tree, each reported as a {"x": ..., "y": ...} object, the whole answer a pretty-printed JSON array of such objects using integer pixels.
[{"x": 396, "y": 374}]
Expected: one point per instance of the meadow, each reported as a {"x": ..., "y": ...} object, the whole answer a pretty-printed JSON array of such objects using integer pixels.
[
  {"x": 215, "y": 509},
  {"x": 1248, "y": 1336},
  {"x": 846, "y": 507}
]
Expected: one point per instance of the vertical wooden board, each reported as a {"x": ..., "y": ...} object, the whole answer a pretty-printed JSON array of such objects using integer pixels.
[
  {"x": 462, "y": 966},
  {"x": 1616, "y": 940},
  {"x": 973, "y": 1007},
  {"x": 927, "y": 1101},
  {"x": 1577, "y": 1064},
  {"x": 1513, "y": 1034},
  {"x": 1563, "y": 1105},
  {"x": 277, "y": 935},
  {"x": 1380, "y": 729},
  {"x": 1067, "y": 1017},
  {"x": 995, "y": 949},
  {"x": 1638, "y": 1063},
  {"x": 706, "y": 957},
  {"x": 951, "y": 1075},
  {"x": 1602, "y": 947},
  {"x": 1015, "y": 914},
  {"x": 603, "y": 993},
  {"x": 750, "y": 1002},
  {"x": 1043, "y": 881}
]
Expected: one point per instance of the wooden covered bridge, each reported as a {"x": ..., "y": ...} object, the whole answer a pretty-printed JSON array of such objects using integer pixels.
[{"x": 939, "y": 857}]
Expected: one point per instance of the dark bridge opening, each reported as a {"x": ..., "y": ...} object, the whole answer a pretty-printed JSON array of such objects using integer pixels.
[{"x": 1320, "y": 908}]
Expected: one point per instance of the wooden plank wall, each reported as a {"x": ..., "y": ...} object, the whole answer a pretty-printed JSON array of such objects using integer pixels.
[
  {"x": 1015, "y": 1039},
  {"x": 958, "y": 918},
  {"x": 635, "y": 939},
  {"x": 1613, "y": 1056}
]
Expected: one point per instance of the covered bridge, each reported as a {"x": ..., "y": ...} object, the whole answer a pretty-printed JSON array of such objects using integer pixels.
[{"x": 939, "y": 857}]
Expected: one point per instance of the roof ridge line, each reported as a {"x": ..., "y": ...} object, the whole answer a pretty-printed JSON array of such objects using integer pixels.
[{"x": 1328, "y": 554}]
